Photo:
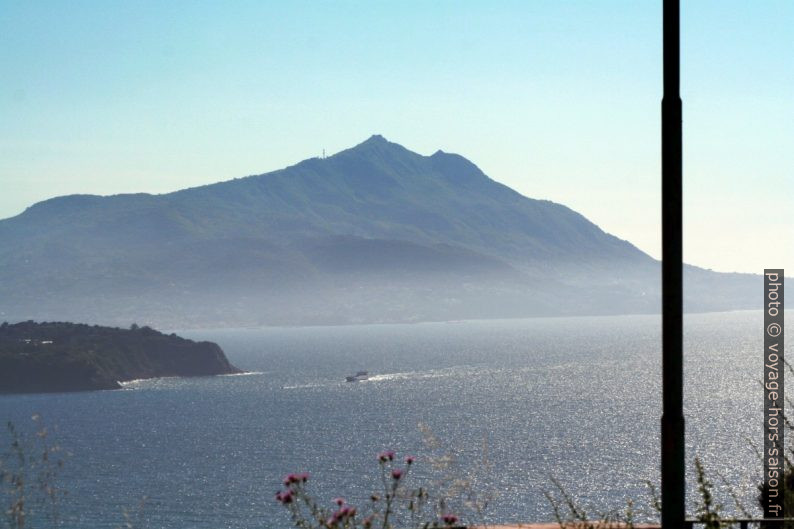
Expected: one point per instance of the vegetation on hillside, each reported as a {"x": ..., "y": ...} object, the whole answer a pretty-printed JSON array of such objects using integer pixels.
[{"x": 61, "y": 356}]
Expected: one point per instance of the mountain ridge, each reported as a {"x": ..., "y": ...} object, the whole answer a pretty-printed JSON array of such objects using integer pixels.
[
  {"x": 364, "y": 234},
  {"x": 376, "y": 145}
]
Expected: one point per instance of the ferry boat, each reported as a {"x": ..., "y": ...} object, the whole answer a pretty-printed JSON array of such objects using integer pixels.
[{"x": 358, "y": 377}]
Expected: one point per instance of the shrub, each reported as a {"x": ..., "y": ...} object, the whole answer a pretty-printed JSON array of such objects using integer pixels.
[
  {"x": 28, "y": 479},
  {"x": 396, "y": 504}
]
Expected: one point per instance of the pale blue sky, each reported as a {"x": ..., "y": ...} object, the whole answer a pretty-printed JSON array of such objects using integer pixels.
[{"x": 557, "y": 99}]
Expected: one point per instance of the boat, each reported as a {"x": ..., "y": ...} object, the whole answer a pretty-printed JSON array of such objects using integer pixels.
[{"x": 358, "y": 377}]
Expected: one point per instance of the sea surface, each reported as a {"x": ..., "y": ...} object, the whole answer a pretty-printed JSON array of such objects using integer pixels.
[{"x": 506, "y": 407}]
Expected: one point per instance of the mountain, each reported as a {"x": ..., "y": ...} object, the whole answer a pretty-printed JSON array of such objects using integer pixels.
[
  {"x": 59, "y": 356},
  {"x": 373, "y": 233}
]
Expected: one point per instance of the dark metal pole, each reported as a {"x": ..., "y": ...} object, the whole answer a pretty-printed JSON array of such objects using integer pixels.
[{"x": 673, "y": 492}]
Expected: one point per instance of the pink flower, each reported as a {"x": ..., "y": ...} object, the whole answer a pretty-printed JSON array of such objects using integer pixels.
[
  {"x": 386, "y": 455},
  {"x": 409, "y": 460},
  {"x": 339, "y": 501},
  {"x": 449, "y": 519},
  {"x": 294, "y": 478},
  {"x": 284, "y": 497},
  {"x": 396, "y": 473},
  {"x": 289, "y": 479}
]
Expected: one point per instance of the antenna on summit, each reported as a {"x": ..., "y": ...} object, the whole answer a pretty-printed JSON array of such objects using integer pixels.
[{"x": 323, "y": 154}]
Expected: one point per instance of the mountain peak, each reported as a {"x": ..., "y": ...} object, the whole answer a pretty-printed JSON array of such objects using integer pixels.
[
  {"x": 376, "y": 138},
  {"x": 377, "y": 141},
  {"x": 378, "y": 146}
]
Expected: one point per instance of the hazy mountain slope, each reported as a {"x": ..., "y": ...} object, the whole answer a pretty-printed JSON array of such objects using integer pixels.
[
  {"x": 373, "y": 233},
  {"x": 379, "y": 189}
]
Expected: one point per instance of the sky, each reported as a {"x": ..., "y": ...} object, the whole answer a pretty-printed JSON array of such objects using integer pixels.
[{"x": 558, "y": 99}]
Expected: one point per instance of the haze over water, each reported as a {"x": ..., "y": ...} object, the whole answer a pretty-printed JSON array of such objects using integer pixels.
[{"x": 518, "y": 402}]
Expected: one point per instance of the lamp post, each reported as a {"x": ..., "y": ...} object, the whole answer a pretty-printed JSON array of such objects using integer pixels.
[{"x": 673, "y": 491}]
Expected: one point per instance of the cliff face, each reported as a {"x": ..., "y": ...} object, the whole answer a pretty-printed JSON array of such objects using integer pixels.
[{"x": 58, "y": 356}]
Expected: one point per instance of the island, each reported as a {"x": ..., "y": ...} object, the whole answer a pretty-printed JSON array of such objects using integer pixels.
[{"x": 46, "y": 357}]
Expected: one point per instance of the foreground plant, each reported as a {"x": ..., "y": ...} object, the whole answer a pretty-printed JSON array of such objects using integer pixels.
[
  {"x": 567, "y": 514},
  {"x": 28, "y": 476},
  {"x": 395, "y": 505},
  {"x": 708, "y": 513}
]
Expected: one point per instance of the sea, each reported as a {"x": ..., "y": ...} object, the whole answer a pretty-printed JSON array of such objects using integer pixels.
[{"x": 502, "y": 416}]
